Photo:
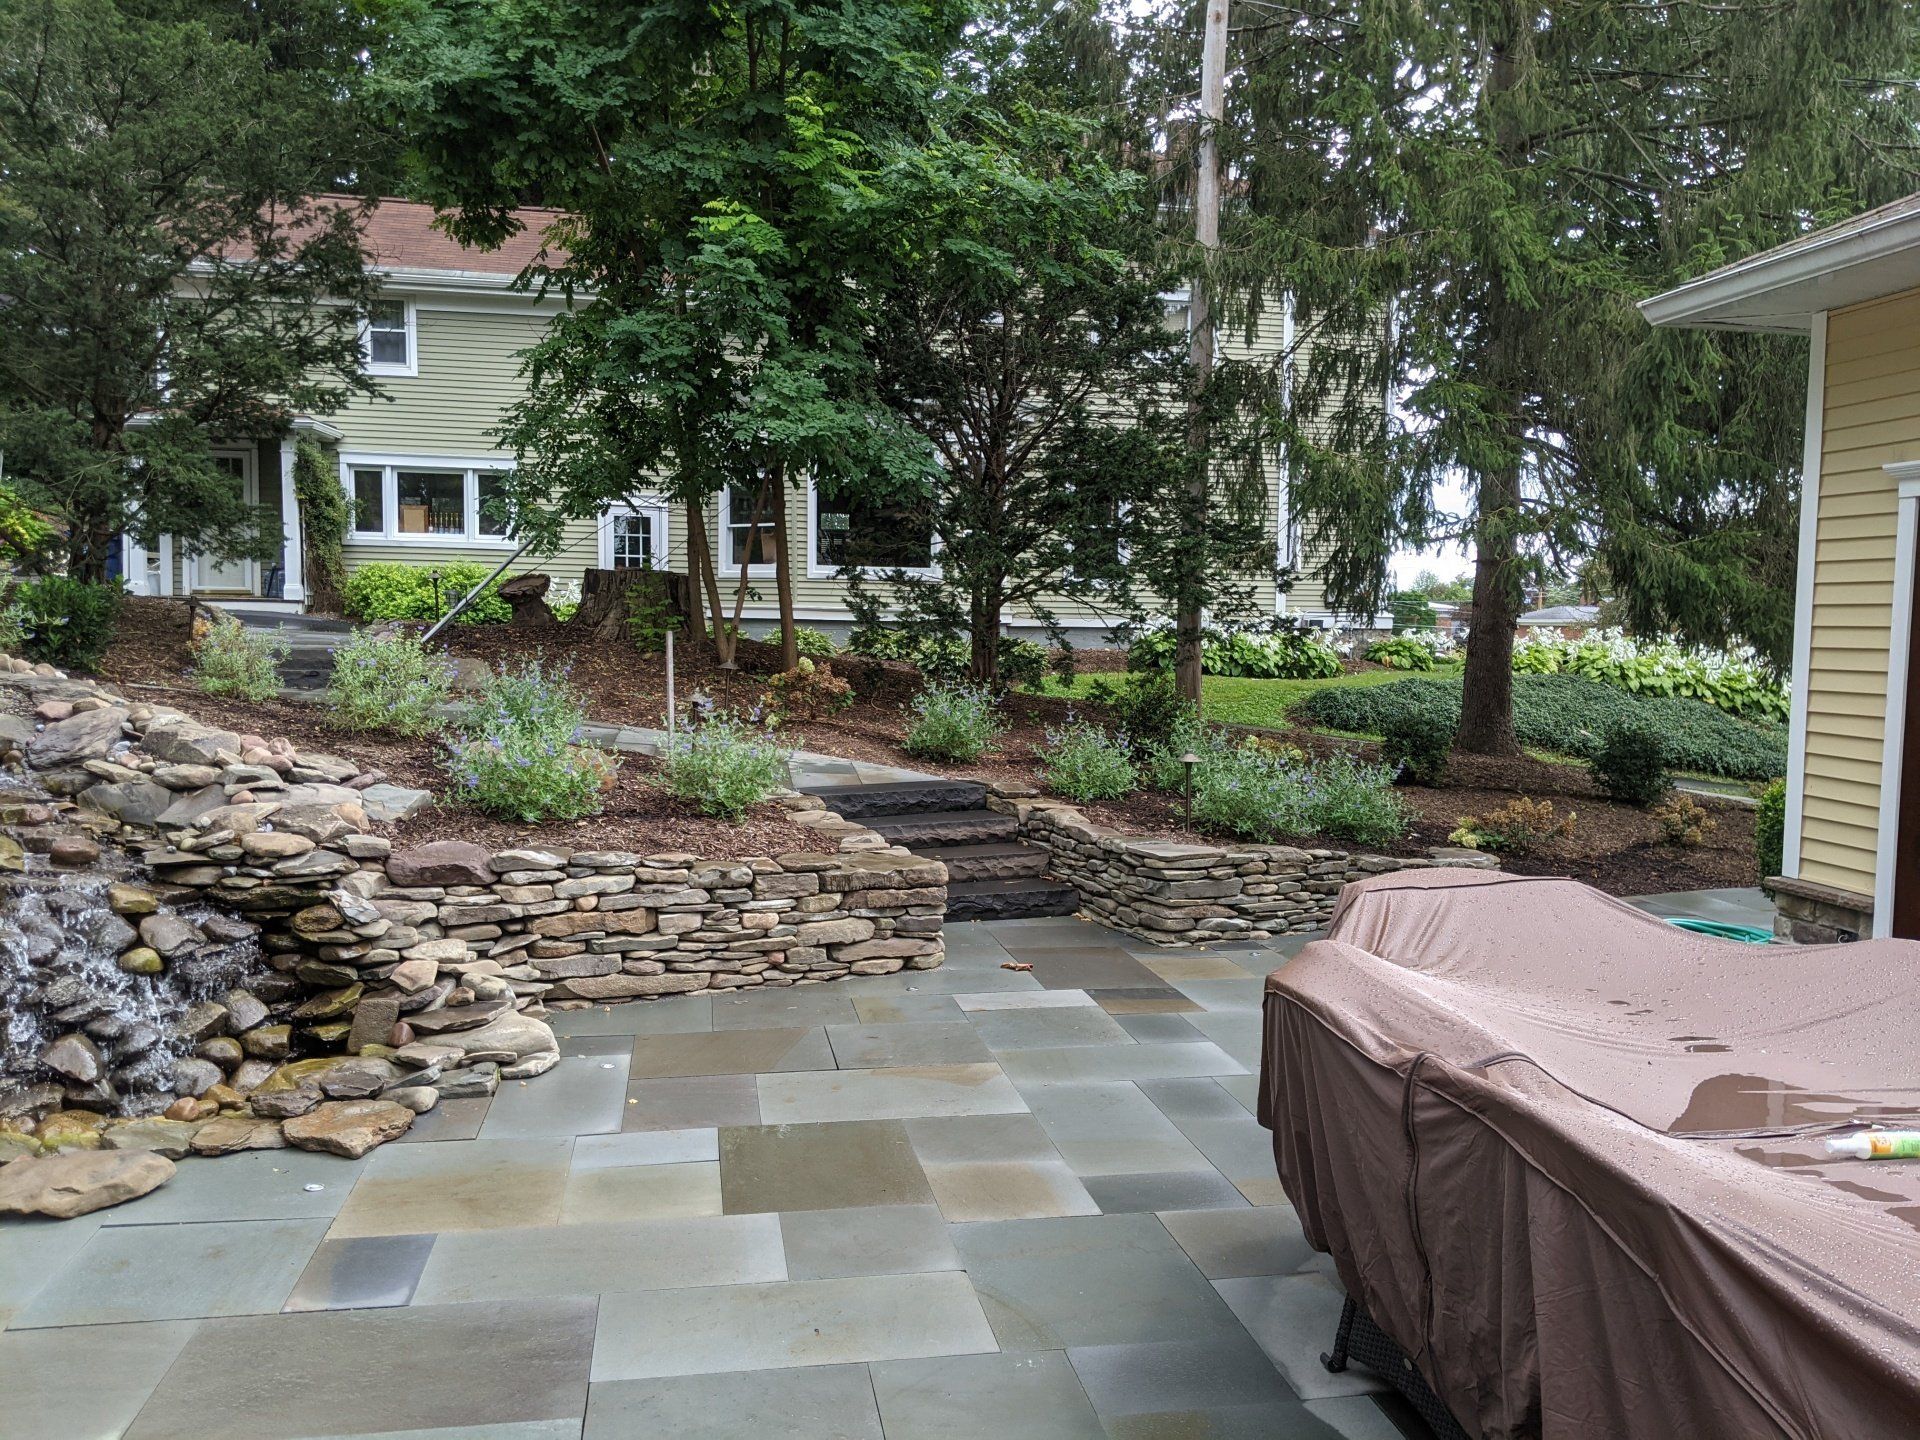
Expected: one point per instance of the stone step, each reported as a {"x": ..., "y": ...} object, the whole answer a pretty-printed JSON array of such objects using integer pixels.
[
  {"x": 902, "y": 797},
  {"x": 1025, "y": 899},
  {"x": 994, "y": 860},
  {"x": 943, "y": 827}
]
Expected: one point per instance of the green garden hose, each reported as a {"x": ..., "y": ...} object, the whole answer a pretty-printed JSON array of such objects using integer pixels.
[{"x": 1746, "y": 934}]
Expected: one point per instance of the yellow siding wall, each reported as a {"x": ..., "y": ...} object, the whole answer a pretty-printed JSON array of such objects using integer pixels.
[{"x": 1871, "y": 418}]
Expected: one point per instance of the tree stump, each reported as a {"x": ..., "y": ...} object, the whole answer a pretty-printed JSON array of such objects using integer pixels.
[
  {"x": 607, "y": 598},
  {"x": 527, "y": 594}
]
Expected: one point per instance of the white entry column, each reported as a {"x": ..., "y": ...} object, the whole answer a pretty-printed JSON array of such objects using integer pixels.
[{"x": 293, "y": 542}]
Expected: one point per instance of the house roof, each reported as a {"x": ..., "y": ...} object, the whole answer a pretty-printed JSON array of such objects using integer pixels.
[
  {"x": 399, "y": 237},
  {"x": 1866, "y": 258},
  {"x": 1561, "y": 615}
]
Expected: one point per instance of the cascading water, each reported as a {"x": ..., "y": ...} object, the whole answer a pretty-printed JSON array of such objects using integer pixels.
[{"x": 114, "y": 1036}]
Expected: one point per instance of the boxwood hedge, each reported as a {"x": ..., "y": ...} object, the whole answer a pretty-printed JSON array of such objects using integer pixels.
[{"x": 1569, "y": 714}]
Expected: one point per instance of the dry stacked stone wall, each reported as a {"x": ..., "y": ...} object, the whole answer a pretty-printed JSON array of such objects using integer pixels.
[
  {"x": 1182, "y": 894},
  {"x": 365, "y": 983}
]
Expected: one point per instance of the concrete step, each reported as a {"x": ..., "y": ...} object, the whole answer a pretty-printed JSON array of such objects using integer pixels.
[
  {"x": 1026, "y": 899},
  {"x": 902, "y": 797},
  {"x": 943, "y": 827},
  {"x": 994, "y": 860}
]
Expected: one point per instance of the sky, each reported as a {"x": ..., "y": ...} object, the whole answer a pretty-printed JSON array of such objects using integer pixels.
[{"x": 1446, "y": 561}]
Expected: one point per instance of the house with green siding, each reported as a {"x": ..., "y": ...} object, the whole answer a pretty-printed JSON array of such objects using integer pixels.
[{"x": 420, "y": 459}]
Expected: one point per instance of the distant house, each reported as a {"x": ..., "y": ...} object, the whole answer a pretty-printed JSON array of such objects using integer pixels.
[
  {"x": 420, "y": 461},
  {"x": 1851, "y": 861}
]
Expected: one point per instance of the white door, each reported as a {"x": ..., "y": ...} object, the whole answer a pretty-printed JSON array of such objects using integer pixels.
[
  {"x": 217, "y": 575},
  {"x": 634, "y": 538}
]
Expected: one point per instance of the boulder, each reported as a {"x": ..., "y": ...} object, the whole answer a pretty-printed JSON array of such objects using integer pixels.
[
  {"x": 64, "y": 1186},
  {"x": 373, "y": 1022},
  {"x": 131, "y": 899},
  {"x": 275, "y": 844},
  {"x": 441, "y": 862},
  {"x": 225, "y": 1134},
  {"x": 195, "y": 1077},
  {"x": 285, "y": 1104},
  {"x": 142, "y": 960},
  {"x": 73, "y": 851},
  {"x": 77, "y": 739},
  {"x": 417, "y": 1098},
  {"x": 74, "y": 1056},
  {"x": 171, "y": 1138},
  {"x": 169, "y": 934},
  {"x": 512, "y": 1036},
  {"x": 348, "y": 1127},
  {"x": 188, "y": 742},
  {"x": 131, "y": 802}
]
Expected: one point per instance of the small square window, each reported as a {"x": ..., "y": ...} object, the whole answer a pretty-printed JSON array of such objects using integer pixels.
[
  {"x": 432, "y": 503},
  {"x": 369, "y": 502},
  {"x": 633, "y": 542},
  {"x": 388, "y": 341},
  {"x": 490, "y": 486}
]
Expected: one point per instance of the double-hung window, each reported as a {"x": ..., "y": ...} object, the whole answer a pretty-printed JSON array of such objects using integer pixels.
[
  {"x": 424, "y": 501},
  {"x": 741, "y": 540},
  {"x": 389, "y": 338}
]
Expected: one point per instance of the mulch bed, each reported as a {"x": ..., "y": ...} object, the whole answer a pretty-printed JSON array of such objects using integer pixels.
[
  {"x": 1616, "y": 848},
  {"x": 149, "y": 658}
]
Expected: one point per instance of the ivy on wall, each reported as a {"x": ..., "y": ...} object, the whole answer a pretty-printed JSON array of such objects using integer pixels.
[{"x": 323, "y": 526}]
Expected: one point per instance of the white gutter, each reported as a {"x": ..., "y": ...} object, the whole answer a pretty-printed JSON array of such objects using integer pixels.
[{"x": 1727, "y": 295}]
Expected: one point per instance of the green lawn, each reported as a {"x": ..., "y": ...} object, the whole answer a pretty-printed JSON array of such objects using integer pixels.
[{"x": 1262, "y": 703}]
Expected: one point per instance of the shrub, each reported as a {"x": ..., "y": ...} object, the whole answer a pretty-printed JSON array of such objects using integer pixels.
[
  {"x": 1519, "y": 827},
  {"x": 650, "y": 619},
  {"x": 806, "y": 692},
  {"x": 1411, "y": 611},
  {"x": 1025, "y": 663},
  {"x": 230, "y": 659},
  {"x": 1569, "y": 714},
  {"x": 1630, "y": 765},
  {"x": 1682, "y": 822},
  {"x": 521, "y": 757},
  {"x": 726, "y": 765},
  {"x": 63, "y": 621},
  {"x": 940, "y": 658},
  {"x": 1256, "y": 793},
  {"x": 388, "y": 682},
  {"x": 952, "y": 722},
  {"x": 401, "y": 590},
  {"x": 1282, "y": 652},
  {"x": 1401, "y": 652},
  {"x": 1416, "y": 748},
  {"x": 1732, "y": 681},
  {"x": 814, "y": 644},
  {"x": 1770, "y": 829},
  {"x": 1148, "y": 706},
  {"x": 1084, "y": 762}
]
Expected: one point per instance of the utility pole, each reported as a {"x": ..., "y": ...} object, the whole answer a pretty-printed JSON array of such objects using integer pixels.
[{"x": 1200, "y": 326}]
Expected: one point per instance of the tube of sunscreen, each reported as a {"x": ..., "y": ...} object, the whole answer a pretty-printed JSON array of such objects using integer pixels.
[{"x": 1877, "y": 1145}]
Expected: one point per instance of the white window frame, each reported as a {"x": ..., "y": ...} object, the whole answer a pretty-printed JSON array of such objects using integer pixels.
[
  {"x": 468, "y": 467},
  {"x": 388, "y": 367},
  {"x": 723, "y": 536},
  {"x": 660, "y": 513},
  {"x": 818, "y": 569}
]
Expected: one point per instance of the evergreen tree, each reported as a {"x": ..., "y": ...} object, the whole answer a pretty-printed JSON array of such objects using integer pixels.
[
  {"x": 1464, "y": 199},
  {"x": 712, "y": 160},
  {"x": 166, "y": 275}
]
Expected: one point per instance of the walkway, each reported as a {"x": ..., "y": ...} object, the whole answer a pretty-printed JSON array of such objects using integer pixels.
[{"x": 964, "y": 1202}]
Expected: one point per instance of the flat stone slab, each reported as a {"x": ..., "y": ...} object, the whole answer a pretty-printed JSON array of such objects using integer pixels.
[{"x": 64, "y": 1186}]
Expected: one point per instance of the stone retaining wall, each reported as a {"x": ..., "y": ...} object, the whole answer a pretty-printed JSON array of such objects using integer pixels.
[
  {"x": 407, "y": 976},
  {"x": 1181, "y": 894}
]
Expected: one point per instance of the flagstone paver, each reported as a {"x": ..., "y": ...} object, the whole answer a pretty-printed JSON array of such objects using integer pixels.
[{"x": 936, "y": 1204}]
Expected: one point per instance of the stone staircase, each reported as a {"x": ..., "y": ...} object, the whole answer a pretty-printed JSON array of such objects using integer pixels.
[{"x": 992, "y": 874}]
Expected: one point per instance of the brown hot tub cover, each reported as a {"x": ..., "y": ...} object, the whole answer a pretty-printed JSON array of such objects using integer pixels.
[{"x": 1570, "y": 1159}]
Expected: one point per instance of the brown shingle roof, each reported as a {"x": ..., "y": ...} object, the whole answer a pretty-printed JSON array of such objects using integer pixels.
[{"x": 400, "y": 235}]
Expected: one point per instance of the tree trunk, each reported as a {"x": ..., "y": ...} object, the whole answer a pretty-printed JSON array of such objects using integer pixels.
[
  {"x": 700, "y": 553},
  {"x": 983, "y": 663},
  {"x": 1486, "y": 697},
  {"x": 606, "y": 599},
  {"x": 783, "y": 578}
]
